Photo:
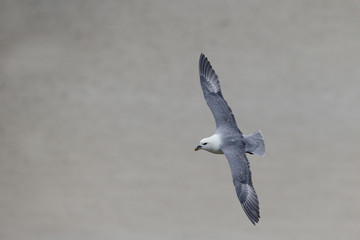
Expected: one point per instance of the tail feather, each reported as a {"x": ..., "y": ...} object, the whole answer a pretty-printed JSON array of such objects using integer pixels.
[{"x": 254, "y": 143}]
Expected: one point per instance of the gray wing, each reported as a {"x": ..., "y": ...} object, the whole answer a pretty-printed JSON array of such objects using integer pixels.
[
  {"x": 211, "y": 88},
  {"x": 241, "y": 175}
]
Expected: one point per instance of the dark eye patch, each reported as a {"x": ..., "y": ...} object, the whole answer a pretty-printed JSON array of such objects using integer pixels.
[{"x": 204, "y": 143}]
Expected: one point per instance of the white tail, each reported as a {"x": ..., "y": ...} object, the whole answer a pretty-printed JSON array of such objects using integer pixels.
[{"x": 254, "y": 143}]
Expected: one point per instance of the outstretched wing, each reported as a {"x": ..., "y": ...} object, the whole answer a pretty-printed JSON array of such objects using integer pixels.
[
  {"x": 241, "y": 175},
  {"x": 211, "y": 88}
]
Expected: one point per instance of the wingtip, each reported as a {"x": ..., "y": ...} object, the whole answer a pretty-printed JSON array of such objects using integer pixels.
[
  {"x": 203, "y": 64},
  {"x": 249, "y": 202},
  {"x": 202, "y": 58},
  {"x": 208, "y": 78},
  {"x": 205, "y": 67},
  {"x": 252, "y": 212}
]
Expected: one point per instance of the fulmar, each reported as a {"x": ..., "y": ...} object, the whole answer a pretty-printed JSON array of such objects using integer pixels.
[{"x": 229, "y": 140}]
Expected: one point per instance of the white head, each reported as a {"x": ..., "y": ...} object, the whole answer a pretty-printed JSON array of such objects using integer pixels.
[{"x": 210, "y": 144}]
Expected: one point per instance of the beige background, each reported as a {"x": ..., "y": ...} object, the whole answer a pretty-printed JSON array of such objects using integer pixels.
[{"x": 101, "y": 108}]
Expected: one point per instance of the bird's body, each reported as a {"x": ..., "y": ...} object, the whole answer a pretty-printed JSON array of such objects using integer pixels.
[{"x": 229, "y": 140}]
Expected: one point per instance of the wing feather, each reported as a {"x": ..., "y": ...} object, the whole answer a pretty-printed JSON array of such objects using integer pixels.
[
  {"x": 241, "y": 174},
  {"x": 212, "y": 92}
]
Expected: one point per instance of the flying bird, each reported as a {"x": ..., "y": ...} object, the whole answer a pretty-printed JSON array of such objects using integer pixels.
[{"x": 229, "y": 140}]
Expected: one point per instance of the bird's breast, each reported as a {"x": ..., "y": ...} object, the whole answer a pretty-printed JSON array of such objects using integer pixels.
[{"x": 216, "y": 151}]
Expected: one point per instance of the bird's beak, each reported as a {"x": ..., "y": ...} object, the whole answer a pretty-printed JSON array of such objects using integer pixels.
[{"x": 198, "y": 147}]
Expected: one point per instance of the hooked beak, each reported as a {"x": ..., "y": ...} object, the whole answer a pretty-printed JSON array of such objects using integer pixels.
[{"x": 198, "y": 147}]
